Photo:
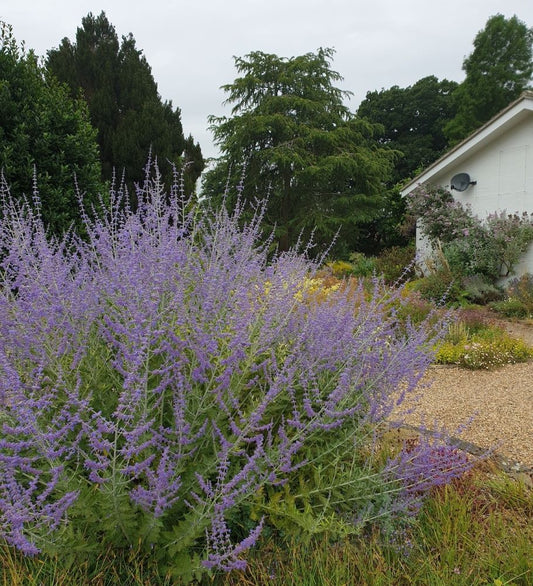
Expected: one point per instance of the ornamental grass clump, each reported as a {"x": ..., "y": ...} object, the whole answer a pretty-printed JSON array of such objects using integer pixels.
[{"x": 159, "y": 373}]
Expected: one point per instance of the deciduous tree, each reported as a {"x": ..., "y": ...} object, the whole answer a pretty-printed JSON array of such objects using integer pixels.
[
  {"x": 413, "y": 119},
  {"x": 497, "y": 71}
]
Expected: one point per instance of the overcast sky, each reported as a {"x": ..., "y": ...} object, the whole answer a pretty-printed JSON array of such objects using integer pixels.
[{"x": 190, "y": 44}]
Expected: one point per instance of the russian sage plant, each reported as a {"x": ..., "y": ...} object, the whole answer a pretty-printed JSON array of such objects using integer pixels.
[{"x": 157, "y": 374}]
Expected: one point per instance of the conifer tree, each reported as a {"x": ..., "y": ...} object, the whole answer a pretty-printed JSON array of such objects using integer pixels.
[
  {"x": 125, "y": 106},
  {"x": 293, "y": 139},
  {"x": 46, "y": 140}
]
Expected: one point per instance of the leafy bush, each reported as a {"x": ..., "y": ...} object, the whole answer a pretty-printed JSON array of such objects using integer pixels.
[
  {"x": 47, "y": 138},
  {"x": 363, "y": 266},
  {"x": 157, "y": 377},
  {"x": 396, "y": 262},
  {"x": 474, "y": 255},
  {"x": 478, "y": 290},
  {"x": 440, "y": 287},
  {"x": 445, "y": 283},
  {"x": 392, "y": 264},
  {"x": 510, "y": 308},
  {"x": 415, "y": 309},
  {"x": 472, "y": 246},
  {"x": 522, "y": 290},
  {"x": 519, "y": 301}
]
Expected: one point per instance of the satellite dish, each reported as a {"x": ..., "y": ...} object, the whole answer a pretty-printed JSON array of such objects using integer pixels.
[{"x": 461, "y": 181}]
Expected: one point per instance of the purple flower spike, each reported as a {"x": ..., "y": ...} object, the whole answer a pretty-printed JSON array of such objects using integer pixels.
[{"x": 169, "y": 366}]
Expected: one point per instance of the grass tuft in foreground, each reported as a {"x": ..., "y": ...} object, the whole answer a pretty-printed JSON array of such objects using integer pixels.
[{"x": 476, "y": 531}]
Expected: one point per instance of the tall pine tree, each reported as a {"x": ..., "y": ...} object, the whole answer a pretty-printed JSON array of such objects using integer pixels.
[{"x": 132, "y": 120}]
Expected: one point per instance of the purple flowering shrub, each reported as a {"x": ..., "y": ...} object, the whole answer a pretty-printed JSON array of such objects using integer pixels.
[
  {"x": 423, "y": 464},
  {"x": 442, "y": 217},
  {"x": 156, "y": 375}
]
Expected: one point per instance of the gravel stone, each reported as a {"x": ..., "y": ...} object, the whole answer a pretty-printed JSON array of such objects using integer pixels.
[{"x": 500, "y": 403}]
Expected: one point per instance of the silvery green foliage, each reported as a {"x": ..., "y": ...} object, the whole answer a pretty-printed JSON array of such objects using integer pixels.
[{"x": 165, "y": 370}]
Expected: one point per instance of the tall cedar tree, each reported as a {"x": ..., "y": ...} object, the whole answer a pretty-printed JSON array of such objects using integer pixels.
[
  {"x": 293, "y": 140},
  {"x": 132, "y": 121},
  {"x": 497, "y": 72},
  {"x": 46, "y": 139}
]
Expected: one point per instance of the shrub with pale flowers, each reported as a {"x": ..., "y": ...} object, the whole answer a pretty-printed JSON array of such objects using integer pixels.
[{"x": 490, "y": 247}]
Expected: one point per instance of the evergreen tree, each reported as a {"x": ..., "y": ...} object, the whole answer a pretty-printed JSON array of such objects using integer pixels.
[
  {"x": 132, "y": 121},
  {"x": 497, "y": 72},
  {"x": 45, "y": 136},
  {"x": 292, "y": 139}
]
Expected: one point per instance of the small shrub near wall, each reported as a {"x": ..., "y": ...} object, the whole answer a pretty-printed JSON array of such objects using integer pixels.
[
  {"x": 519, "y": 298},
  {"x": 396, "y": 263},
  {"x": 489, "y": 247},
  {"x": 522, "y": 290},
  {"x": 477, "y": 290}
]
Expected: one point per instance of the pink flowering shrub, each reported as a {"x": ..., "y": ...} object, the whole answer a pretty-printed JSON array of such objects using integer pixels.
[
  {"x": 155, "y": 375},
  {"x": 489, "y": 247}
]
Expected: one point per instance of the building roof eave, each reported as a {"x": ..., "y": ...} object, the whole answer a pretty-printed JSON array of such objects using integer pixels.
[{"x": 506, "y": 118}]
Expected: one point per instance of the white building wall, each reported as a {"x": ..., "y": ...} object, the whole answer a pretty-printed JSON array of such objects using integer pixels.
[{"x": 503, "y": 170}]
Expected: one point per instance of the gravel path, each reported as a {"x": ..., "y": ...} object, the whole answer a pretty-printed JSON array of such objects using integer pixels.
[{"x": 501, "y": 402}]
